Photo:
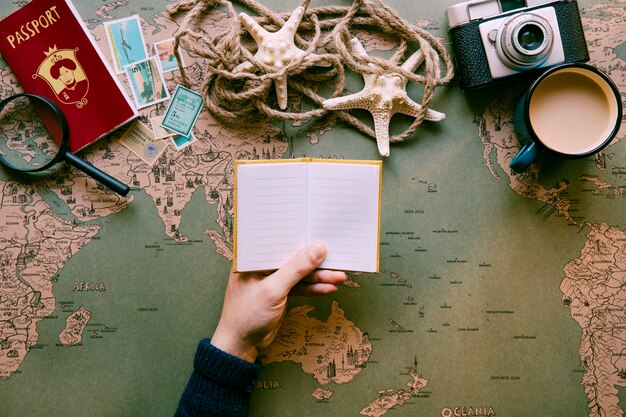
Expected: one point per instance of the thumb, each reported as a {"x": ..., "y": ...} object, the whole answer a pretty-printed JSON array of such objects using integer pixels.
[{"x": 299, "y": 266}]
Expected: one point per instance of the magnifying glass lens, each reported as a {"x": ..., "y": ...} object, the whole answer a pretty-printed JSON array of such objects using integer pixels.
[
  {"x": 34, "y": 136},
  {"x": 27, "y": 132}
]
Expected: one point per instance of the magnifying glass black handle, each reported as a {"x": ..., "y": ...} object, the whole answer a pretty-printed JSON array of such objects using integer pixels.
[{"x": 100, "y": 176}]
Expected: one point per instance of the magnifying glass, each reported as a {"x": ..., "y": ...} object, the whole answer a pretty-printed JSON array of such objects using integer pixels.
[{"x": 34, "y": 136}]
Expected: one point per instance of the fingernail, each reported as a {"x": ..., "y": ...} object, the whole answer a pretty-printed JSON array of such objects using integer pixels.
[{"x": 317, "y": 251}]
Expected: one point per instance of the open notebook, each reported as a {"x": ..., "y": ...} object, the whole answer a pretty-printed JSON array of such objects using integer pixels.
[{"x": 281, "y": 205}]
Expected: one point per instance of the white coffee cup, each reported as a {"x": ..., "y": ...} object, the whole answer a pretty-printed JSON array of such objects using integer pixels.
[{"x": 571, "y": 111}]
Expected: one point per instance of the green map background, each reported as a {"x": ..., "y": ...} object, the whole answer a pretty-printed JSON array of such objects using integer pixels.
[{"x": 162, "y": 296}]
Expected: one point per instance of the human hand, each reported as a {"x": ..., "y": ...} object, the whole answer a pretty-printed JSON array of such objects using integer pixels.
[{"x": 255, "y": 302}]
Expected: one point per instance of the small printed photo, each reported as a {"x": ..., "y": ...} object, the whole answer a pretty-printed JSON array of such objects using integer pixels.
[
  {"x": 147, "y": 82},
  {"x": 165, "y": 51},
  {"x": 182, "y": 141},
  {"x": 126, "y": 42}
]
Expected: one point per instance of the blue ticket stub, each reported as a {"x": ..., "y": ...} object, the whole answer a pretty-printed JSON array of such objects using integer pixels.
[{"x": 183, "y": 111}]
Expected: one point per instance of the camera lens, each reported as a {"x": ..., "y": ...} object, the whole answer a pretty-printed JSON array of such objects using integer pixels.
[
  {"x": 524, "y": 41},
  {"x": 530, "y": 37}
]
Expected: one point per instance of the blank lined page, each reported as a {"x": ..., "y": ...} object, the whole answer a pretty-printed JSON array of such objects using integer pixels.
[
  {"x": 270, "y": 214},
  {"x": 343, "y": 210}
]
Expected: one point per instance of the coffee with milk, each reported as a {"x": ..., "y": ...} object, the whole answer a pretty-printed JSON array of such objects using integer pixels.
[{"x": 571, "y": 111}]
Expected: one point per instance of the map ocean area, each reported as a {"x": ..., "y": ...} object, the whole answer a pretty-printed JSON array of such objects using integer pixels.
[
  {"x": 451, "y": 305},
  {"x": 282, "y": 205}
]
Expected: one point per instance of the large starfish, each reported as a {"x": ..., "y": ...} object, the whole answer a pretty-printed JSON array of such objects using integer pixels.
[
  {"x": 275, "y": 49},
  {"x": 383, "y": 96}
]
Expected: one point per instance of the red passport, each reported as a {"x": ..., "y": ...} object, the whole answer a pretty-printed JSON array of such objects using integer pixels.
[{"x": 51, "y": 52}]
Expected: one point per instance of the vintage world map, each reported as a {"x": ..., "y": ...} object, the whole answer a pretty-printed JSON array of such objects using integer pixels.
[{"x": 501, "y": 294}]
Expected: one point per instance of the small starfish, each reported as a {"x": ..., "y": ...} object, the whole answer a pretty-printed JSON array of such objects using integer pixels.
[
  {"x": 383, "y": 96},
  {"x": 275, "y": 49}
]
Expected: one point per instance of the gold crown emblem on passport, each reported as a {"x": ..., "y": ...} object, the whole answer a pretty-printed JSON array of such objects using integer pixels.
[{"x": 51, "y": 51}]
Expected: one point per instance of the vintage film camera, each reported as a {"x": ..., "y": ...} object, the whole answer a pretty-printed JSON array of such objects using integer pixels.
[{"x": 491, "y": 44}]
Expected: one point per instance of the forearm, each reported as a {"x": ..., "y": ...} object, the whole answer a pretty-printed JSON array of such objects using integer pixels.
[{"x": 220, "y": 384}]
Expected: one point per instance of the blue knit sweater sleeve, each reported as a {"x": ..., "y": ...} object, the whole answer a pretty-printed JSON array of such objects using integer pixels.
[{"x": 220, "y": 384}]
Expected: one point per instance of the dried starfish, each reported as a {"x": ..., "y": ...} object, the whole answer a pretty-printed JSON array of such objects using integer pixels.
[
  {"x": 275, "y": 49},
  {"x": 383, "y": 96}
]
